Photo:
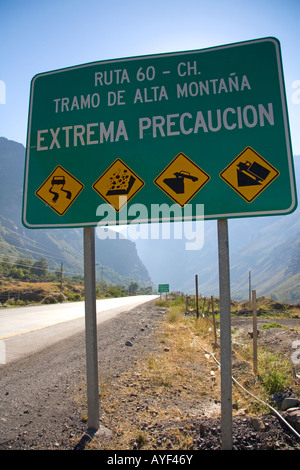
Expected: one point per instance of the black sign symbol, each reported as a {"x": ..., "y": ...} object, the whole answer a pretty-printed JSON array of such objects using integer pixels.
[
  {"x": 251, "y": 174},
  {"x": 59, "y": 180},
  {"x": 121, "y": 182},
  {"x": 177, "y": 183}
]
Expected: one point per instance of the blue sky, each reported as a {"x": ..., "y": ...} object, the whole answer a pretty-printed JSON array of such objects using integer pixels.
[{"x": 38, "y": 36}]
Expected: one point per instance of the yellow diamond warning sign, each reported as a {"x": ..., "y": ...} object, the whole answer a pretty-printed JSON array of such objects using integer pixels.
[
  {"x": 118, "y": 184},
  {"x": 181, "y": 179},
  {"x": 60, "y": 190},
  {"x": 249, "y": 174}
]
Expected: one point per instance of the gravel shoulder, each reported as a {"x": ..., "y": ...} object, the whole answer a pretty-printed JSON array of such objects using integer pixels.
[{"x": 43, "y": 405}]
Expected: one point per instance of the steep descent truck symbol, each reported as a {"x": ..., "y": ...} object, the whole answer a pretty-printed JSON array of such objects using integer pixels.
[
  {"x": 177, "y": 183},
  {"x": 251, "y": 174},
  {"x": 59, "y": 180}
]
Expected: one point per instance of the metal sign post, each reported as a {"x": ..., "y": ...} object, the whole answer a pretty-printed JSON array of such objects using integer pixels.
[
  {"x": 254, "y": 317},
  {"x": 225, "y": 335},
  {"x": 91, "y": 329}
]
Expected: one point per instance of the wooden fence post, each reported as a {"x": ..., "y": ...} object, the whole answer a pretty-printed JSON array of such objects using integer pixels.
[
  {"x": 254, "y": 315},
  {"x": 197, "y": 303},
  {"x": 214, "y": 320}
]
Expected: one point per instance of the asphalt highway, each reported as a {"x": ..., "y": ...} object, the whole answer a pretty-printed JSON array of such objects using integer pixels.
[{"x": 25, "y": 330}]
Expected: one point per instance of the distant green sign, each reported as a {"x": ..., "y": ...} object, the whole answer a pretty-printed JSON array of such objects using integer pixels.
[
  {"x": 180, "y": 129},
  {"x": 163, "y": 288}
]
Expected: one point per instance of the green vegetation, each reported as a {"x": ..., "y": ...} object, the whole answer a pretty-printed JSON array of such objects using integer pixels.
[
  {"x": 27, "y": 270},
  {"x": 272, "y": 325},
  {"x": 30, "y": 281},
  {"x": 274, "y": 370},
  {"x": 178, "y": 373}
]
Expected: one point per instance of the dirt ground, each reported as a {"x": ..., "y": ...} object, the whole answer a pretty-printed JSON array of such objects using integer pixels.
[
  {"x": 137, "y": 411},
  {"x": 176, "y": 416},
  {"x": 278, "y": 340}
]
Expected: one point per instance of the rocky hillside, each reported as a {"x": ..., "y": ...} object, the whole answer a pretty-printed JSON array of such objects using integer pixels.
[{"x": 119, "y": 257}]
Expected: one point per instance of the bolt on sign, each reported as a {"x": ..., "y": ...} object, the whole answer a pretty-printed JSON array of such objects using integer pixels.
[{"x": 205, "y": 127}]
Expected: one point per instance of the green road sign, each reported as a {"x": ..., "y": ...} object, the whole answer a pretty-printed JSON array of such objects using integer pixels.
[
  {"x": 163, "y": 288},
  {"x": 131, "y": 139}
]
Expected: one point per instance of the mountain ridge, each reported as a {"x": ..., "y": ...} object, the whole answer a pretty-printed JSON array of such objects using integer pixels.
[
  {"x": 119, "y": 258},
  {"x": 268, "y": 247}
]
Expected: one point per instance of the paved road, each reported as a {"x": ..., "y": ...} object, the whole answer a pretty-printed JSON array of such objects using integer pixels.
[{"x": 25, "y": 330}]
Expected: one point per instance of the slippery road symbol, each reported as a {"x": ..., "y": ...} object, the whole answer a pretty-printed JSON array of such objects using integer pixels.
[
  {"x": 60, "y": 190},
  {"x": 59, "y": 180}
]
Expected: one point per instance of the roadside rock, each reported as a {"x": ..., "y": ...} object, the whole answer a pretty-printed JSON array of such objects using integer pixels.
[
  {"x": 290, "y": 402},
  {"x": 54, "y": 298},
  {"x": 292, "y": 416},
  {"x": 258, "y": 424}
]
